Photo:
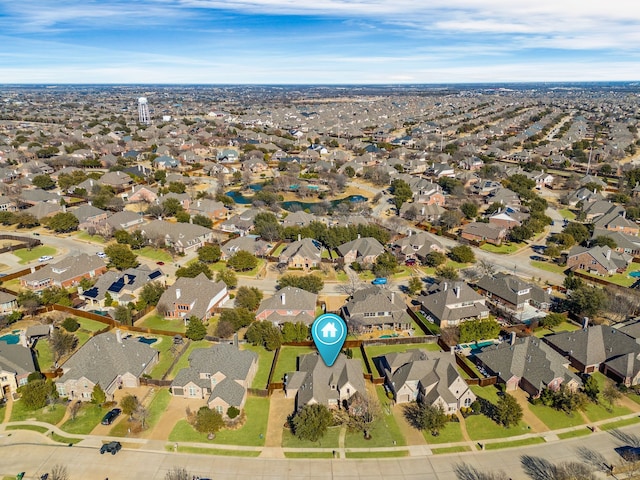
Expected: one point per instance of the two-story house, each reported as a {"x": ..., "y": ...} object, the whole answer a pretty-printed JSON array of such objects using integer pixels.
[
  {"x": 289, "y": 304},
  {"x": 187, "y": 297},
  {"x": 449, "y": 304},
  {"x": 65, "y": 273}
]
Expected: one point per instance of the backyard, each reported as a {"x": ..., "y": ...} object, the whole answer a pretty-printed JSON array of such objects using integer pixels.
[
  {"x": 265, "y": 359},
  {"x": 183, "y": 361},
  {"x": 288, "y": 361},
  {"x": 158, "y": 322},
  {"x": 164, "y": 346}
]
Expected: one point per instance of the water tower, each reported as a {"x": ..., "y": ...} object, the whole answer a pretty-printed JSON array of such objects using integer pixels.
[{"x": 143, "y": 111}]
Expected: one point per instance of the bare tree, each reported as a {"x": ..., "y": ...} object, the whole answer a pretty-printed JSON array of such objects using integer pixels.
[
  {"x": 142, "y": 413},
  {"x": 178, "y": 473},
  {"x": 59, "y": 472},
  {"x": 74, "y": 408}
]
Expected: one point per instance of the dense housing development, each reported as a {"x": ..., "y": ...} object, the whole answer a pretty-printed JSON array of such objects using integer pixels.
[{"x": 481, "y": 245}]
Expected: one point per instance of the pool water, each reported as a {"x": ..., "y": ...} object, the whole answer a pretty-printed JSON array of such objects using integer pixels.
[
  {"x": 148, "y": 341},
  {"x": 477, "y": 348},
  {"x": 10, "y": 338},
  {"x": 635, "y": 274}
]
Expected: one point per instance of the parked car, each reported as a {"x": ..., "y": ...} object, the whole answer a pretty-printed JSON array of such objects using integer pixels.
[
  {"x": 45, "y": 258},
  {"x": 379, "y": 281},
  {"x": 111, "y": 447},
  {"x": 629, "y": 453},
  {"x": 410, "y": 262},
  {"x": 110, "y": 416},
  {"x": 160, "y": 263},
  {"x": 102, "y": 254}
]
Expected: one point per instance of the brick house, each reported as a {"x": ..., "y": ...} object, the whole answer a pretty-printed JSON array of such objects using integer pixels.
[{"x": 66, "y": 273}]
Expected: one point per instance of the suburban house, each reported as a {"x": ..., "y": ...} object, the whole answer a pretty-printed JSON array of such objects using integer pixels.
[
  {"x": 600, "y": 348},
  {"x": 142, "y": 194},
  {"x": 182, "y": 237},
  {"x": 66, "y": 273},
  {"x": 249, "y": 243},
  {"x": 122, "y": 287},
  {"x": 449, "y": 304},
  {"x": 188, "y": 297},
  {"x": 7, "y": 204},
  {"x": 289, "y": 304},
  {"x": 118, "y": 180},
  {"x": 304, "y": 253},
  {"x": 508, "y": 218},
  {"x": 364, "y": 251},
  {"x": 616, "y": 220},
  {"x": 209, "y": 208},
  {"x": 241, "y": 223},
  {"x": 600, "y": 260},
  {"x": 376, "y": 308},
  {"x": 89, "y": 217},
  {"x": 8, "y": 302},
  {"x": 220, "y": 374},
  {"x": 425, "y": 377},
  {"x": 16, "y": 363},
  {"x": 530, "y": 364},
  {"x": 333, "y": 386},
  {"x": 484, "y": 232},
  {"x": 511, "y": 292},
  {"x": 629, "y": 244},
  {"x": 108, "y": 360},
  {"x": 418, "y": 245},
  {"x": 299, "y": 219},
  {"x": 124, "y": 220}
]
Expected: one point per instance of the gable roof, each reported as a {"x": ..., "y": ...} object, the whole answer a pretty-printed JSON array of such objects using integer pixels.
[
  {"x": 115, "y": 359},
  {"x": 196, "y": 292},
  {"x": 365, "y": 247},
  {"x": 16, "y": 359},
  {"x": 528, "y": 358}
]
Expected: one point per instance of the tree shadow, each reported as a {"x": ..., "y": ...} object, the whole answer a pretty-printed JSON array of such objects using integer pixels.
[
  {"x": 593, "y": 458},
  {"x": 411, "y": 412},
  {"x": 625, "y": 438},
  {"x": 537, "y": 468},
  {"x": 464, "y": 471}
]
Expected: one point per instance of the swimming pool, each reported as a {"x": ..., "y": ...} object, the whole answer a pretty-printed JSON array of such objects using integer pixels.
[
  {"x": 10, "y": 338},
  {"x": 148, "y": 341},
  {"x": 476, "y": 348}
]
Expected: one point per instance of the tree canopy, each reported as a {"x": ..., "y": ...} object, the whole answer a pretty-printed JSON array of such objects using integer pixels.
[
  {"x": 311, "y": 283},
  {"x": 121, "y": 256},
  {"x": 312, "y": 422}
]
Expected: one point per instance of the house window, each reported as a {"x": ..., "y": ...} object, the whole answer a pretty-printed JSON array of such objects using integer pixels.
[
  {"x": 207, "y": 375},
  {"x": 467, "y": 402},
  {"x": 61, "y": 390},
  {"x": 369, "y": 314},
  {"x": 23, "y": 381},
  {"x": 219, "y": 409},
  {"x": 192, "y": 391}
]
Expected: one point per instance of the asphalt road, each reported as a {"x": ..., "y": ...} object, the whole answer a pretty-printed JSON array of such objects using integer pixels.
[{"x": 150, "y": 461}]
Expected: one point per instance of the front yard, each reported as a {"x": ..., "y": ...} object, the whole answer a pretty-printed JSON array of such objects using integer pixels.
[
  {"x": 548, "y": 266},
  {"x": 155, "y": 254},
  {"x": 252, "y": 433},
  {"x": 86, "y": 419},
  {"x": 25, "y": 255},
  {"x": 50, "y": 414},
  {"x": 504, "y": 249}
]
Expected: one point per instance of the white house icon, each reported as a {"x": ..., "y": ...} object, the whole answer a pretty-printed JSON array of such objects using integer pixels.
[{"x": 329, "y": 330}]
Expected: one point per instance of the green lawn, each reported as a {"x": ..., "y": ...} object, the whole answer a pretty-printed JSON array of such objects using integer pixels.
[
  {"x": 439, "y": 451},
  {"x": 433, "y": 328},
  {"x": 86, "y": 420},
  {"x": 27, "y": 256},
  {"x": 252, "y": 433},
  {"x": 563, "y": 327},
  {"x": 81, "y": 235},
  {"x": 622, "y": 279},
  {"x": 547, "y": 266},
  {"x": 158, "y": 322},
  {"x": 504, "y": 249},
  {"x": 403, "y": 272},
  {"x": 481, "y": 427},
  {"x": 387, "y": 454},
  {"x": 330, "y": 440},
  {"x": 287, "y": 361},
  {"x": 183, "y": 362},
  {"x": 83, "y": 337},
  {"x": 566, "y": 213},
  {"x": 44, "y": 355},
  {"x": 555, "y": 419},
  {"x": 33, "y": 428},
  {"x": 67, "y": 440},
  {"x": 156, "y": 254},
  {"x": 342, "y": 276},
  {"x": 216, "y": 451},
  {"x": 90, "y": 325},
  {"x": 308, "y": 455},
  {"x": 574, "y": 434},
  {"x": 383, "y": 433},
  {"x": 254, "y": 271},
  {"x": 50, "y": 414},
  {"x": 166, "y": 357},
  {"x": 619, "y": 424},
  {"x": 378, "y": 350},
  {"x": 514, "y": 443},
  {"x": 600, "y": 412},
  {"x": 157, "y": 407},
  {"x": 265, "y": 359},
  {"x": 282, "y": 246},
  {"x": 451, "y": 433}
]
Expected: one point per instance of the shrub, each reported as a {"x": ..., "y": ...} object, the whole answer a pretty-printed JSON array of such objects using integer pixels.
[
  {"x": 70, "y": 324},
  {"x": 232, "y": 412}
]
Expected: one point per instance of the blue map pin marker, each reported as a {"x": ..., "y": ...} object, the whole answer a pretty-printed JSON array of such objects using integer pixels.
[{"x": 329, "y": 333}]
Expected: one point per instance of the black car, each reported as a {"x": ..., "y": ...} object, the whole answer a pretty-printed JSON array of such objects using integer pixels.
[
  {"x": 111, "y": 416},
  {"x": 111, "y": 447}
]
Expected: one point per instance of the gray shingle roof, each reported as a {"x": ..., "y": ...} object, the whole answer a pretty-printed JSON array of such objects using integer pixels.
[
  {"x": 102, "y": 359},
  {"x": 530, "y": 359},
  {"x": 196, "y": 292},
  {"x": 16, "y": 359},
  {"x": 453, "y": 302},
  {"x": 375, "y": 299}
]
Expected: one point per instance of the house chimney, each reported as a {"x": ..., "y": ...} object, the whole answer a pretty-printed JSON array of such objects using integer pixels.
[
  {"x": 513, "y": 338},
  {"x": 299, "y": 237},
  {"x": 445, "y": 286},
  {"x": 178, "y": 293},
  {"x": 118, "y": 335},
  {"x": 457, "y": 290},
  {"x": 393, "y": 297},
  {"x": 358, "y": 235},
  {"x": 608, "y": 254},
  {"x": 282, "y": 299},
  {"x": 585, "y": 323}
]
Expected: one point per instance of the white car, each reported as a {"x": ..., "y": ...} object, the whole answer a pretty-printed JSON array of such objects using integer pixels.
[
  {"x": 45, "y": 258},
  {"x": 102, "y": 254}
]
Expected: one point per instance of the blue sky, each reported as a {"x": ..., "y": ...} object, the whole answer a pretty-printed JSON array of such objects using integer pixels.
[{"x": 318, "y": 41}]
